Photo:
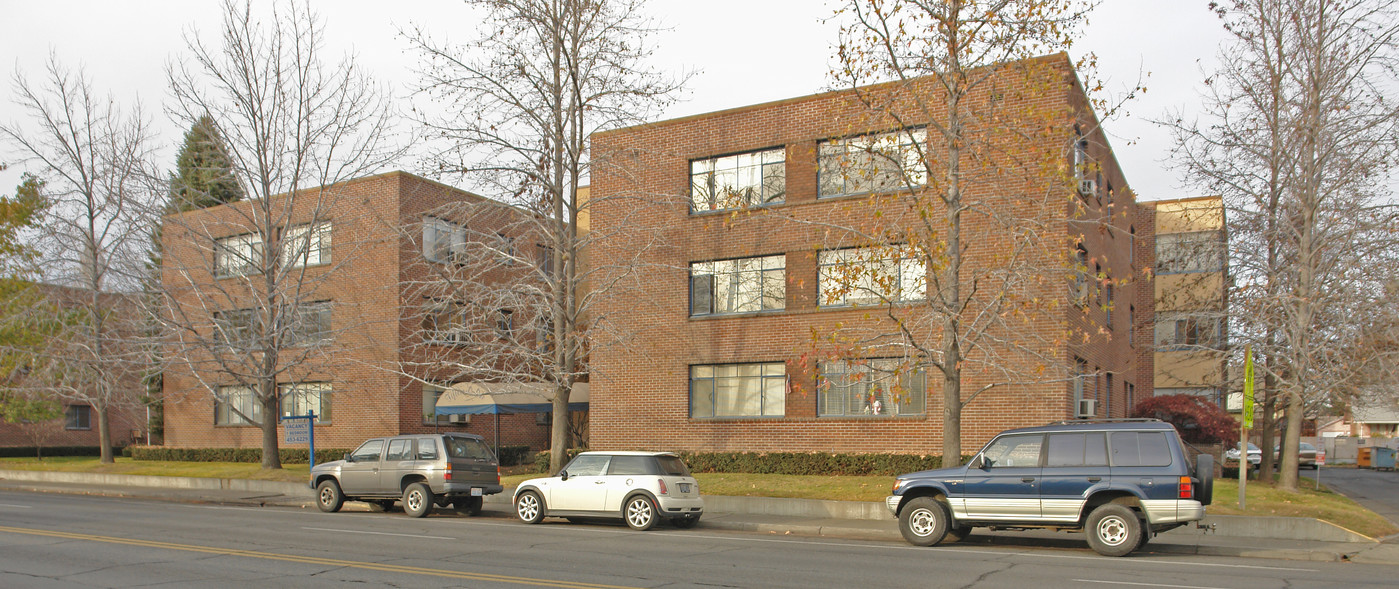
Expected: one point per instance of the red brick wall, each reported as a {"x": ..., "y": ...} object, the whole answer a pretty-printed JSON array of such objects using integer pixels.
[{"x": 640, "y": 390}]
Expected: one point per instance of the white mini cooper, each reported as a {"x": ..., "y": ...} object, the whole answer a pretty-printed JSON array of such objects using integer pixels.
[{"x": 639, "y": 487}]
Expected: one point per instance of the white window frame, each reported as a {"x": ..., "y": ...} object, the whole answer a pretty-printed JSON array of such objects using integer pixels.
[
  {"x": 237, "y": 255},
  {"x": 77, "y": 417},
  {"x": 1190, "y": 252},
  {"x": 856, "y": 276},
  {"x": 243, "y": 399},
  {"x": 740, "y": 285},
  {"x": 754, "y": 178},
  {"x": 880, "y": 387},
  {"x": 319, "y": 316},
  {"x": 751, "y": 390},
  {"x": 443, "y": 240},
  {"x": 306, "y": 245}
]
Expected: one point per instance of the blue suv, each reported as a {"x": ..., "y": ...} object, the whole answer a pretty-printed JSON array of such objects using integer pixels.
[{"x": 1120, "y": 481}]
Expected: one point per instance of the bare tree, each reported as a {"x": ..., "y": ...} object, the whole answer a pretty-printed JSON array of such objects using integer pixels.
[
  {"x": 93, "y": 157},
  {"x": 525, "y": 97},
  {"x": 246, "y": 282},
  {"x": 962, "y": 167},
  {"x": 1299, "y": 139}
]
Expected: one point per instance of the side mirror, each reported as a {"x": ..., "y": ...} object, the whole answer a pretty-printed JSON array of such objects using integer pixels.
[
  {"x": 978, "y": 461},
  {"x": 349, "y": 458},
  {"x": 563, "y": 475}
]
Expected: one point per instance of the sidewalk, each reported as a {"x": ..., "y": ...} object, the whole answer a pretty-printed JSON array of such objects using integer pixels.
[{"x": 1182, "y": 541}]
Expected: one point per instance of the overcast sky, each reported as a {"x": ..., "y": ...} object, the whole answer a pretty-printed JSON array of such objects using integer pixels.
[{"x": 745, "y": 51}]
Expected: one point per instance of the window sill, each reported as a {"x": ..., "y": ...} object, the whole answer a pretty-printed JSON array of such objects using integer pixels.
[
  {"x": 714, "y": 212},
  {"x": 79, "y": 429},
  {"x": 880, "y": 417},
  {"x": 737, "y": 418},
  {"x": 765, "y": 312},
  {"x": 889, "y": 191}
]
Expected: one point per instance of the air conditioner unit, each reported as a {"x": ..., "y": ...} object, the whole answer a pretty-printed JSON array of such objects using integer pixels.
[
  {"x": 1087, "y": 408},
  {"x": 1088, "y": 187},
  {"x": 458, "y": 418}
]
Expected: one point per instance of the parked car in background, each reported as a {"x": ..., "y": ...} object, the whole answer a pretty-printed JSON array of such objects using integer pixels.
[
  {"x": 1306, "y": 456},
  {"x": 1119, "y": 481},
  {"x": 639, "y": 487},
  {"x": 1231, "y": 457},
  {"x": 421, "y": 470}
]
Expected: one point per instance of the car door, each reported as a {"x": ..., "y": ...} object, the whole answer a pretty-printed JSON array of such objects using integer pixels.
[
  {"x": 1005, "y": 486},
  {"x": 1139, "y": 460},
  {"x": 360, "y": 474},
  {"x": 586, "y": 486},
  {"x": 1074, "y": 463},
  {"x": 398, "y": 461}
]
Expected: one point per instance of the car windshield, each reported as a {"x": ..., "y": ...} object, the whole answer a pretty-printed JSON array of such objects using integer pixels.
[{"x": 672, "y": 466}]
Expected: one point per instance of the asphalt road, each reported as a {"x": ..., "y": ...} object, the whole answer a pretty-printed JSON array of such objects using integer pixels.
[{"x": 80, "y": 541}]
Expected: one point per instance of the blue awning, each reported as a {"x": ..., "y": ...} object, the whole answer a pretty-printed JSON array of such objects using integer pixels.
[{"x": 484, "y": 398}]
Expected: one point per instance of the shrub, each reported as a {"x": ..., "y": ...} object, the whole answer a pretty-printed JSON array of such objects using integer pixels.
[
  {"x": 512, "y": 455},
  {"x": 288, "y": 455},
  {"x": 794, "y": 463},
  {"x": 1198, "y": 420}
]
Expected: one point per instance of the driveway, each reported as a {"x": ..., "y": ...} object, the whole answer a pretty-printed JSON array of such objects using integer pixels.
[{"x": 1375, "y": 489}]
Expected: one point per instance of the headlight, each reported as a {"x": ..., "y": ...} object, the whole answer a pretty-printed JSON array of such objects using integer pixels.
[{"x": 898, "y": 484}]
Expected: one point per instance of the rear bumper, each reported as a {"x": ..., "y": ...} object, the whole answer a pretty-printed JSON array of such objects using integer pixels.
[
  {"x": 672, "y": 507},
  {"x": 1171, "y": 511},
  {"x": 464, "y": 488}
]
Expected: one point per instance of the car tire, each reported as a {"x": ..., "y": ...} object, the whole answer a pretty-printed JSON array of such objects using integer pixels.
[
  {"x": 924, "y": 521},
  {"x": 1204, "y": 472},
  {"x": 957, "y": 533},
  {"x": 1114, "y": 530},
  {"x": 328, "y": 496},
  {"x": 417, "y": 500},
  {"x": 469, "y": 506},
  {"x": 639, "y": 512},
  {"x": 684, "y": 523},
  {"x": 529, "y": 507}
]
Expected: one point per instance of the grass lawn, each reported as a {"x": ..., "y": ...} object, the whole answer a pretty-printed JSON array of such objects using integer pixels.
[{"x": 1263, "y": 498}]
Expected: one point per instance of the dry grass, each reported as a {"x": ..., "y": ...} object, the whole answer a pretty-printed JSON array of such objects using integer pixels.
[
  {"x": 297, "y": 473},
  {"x": 1264, "y": 498}
]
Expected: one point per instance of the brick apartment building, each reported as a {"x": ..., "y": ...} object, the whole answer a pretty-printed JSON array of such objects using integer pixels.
[
  {"x": 380, "y": 239},
  {"x": 703, "y": 372},
  {"x": 1192, "y": 278}
]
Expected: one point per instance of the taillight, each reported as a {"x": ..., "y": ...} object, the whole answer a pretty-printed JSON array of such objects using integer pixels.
[
  {"x": 1187, "y": 488},
  {"x": 447, "y": 472},
  {"x": 661, "y": 484},
  {"x": 497, "y": 474}
]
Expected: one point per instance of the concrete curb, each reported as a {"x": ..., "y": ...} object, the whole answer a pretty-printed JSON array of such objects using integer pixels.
[{"x": 192, "y": 483}]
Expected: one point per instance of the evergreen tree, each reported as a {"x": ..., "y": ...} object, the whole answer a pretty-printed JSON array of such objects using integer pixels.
[{"x": 203, "y": 171}]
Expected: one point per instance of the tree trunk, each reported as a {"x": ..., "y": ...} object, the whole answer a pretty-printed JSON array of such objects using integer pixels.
[
  {"x": 271, "y": 458},
  {"x": 104, "y": 433}
]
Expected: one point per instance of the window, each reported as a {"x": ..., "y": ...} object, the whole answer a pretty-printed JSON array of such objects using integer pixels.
[
  {"x": 1186, "y": 330},
  {"x": 1017, "y": 451},
  {"x": 744, "y": 285},
  {"x": 1080, "y": 378},
  {"x": 238, "y": 255},
  {"x": 237, "y": 405},
  {"x": 872, "y": 163},
  {"x": 400, "y": 449},
  {"x": 310, "y": 325},
  {"x": 1140, "y": 449},
  {"x": 1107, "y": 385},
  {"x": 368, "y": 451},
  {"x": 431, "y": 393},
  {"x": 633, "y": 466},
  {"x": 506, "y": 245},
  {"x": 1088, "y": 449},
  {"x": 882, "y": 388},
  {"x": 1107, "y": 303},
  {"x": 442, "y": 239},
  {"x": 1081, "y": 160},
  {"x": 587, "y": 466},
  {"x": 869, "y": 275},
  {"x": 235, "y": 328},
  {"x": 458, "y": 447},
  {"x": 1132, "y": 245},
  {"x": 304, "y": 397},
  {"x": 736, "y": 181},
  {"x": 1131, "y": 392},
  {"x": 1078, "y": 283},
  {"x": 505, "y": 323},
  {"x": 306, "y": 245},
  {"x": 738, "y": 390},
  {"x": 444, "y": 323},
  {"x": 1199, "y": 251},
  {"x": 427, "y": 449},
  {"x": 544, "y": 260},
  {"x": 77, "y": 417},
  {"x": 1132, "y": 326}
]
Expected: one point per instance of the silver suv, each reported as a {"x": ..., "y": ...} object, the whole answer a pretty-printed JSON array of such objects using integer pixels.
[
  {"x": 422, "y": 470},
  {"x": 639, "y": 487}
]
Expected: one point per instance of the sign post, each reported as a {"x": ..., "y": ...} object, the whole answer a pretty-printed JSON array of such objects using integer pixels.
[
  {"x": 297, "y": 429},
  {"x": 1247, "y": 424},
  {"x": 1320, "y": 462}
]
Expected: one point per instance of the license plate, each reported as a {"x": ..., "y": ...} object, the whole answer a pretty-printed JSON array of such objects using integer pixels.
[
  {"x": 476, "y": 491},
  {"x": 684, "y": 487}
]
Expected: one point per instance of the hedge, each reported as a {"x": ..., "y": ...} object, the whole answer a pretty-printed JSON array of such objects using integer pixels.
[
  {"x": 288, "y": 455},
  {"x": 512, "y": 455},
  {"x": 794, "y": 463},
  {"x": 31, "y": 451}
]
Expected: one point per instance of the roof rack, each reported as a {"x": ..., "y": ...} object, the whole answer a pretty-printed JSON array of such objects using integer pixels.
[{"x": 1113, "y": 420}]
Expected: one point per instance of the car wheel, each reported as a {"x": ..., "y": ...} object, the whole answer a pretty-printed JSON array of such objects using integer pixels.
[
  {"x": 957, "y": 533},
  {"x": 529, "y": 507},
  {"x": 417, "y": 500},
  {"x": 328, "y": 496},
  {"x": 1114, "y": 530},
  {"x": 684, "y": 523},
  {"x": 924, "y": 521},
  {"x": 639, "y": 513},
  {"x": 380, "y": 505},
  {"x": 469, "y": 506}
]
